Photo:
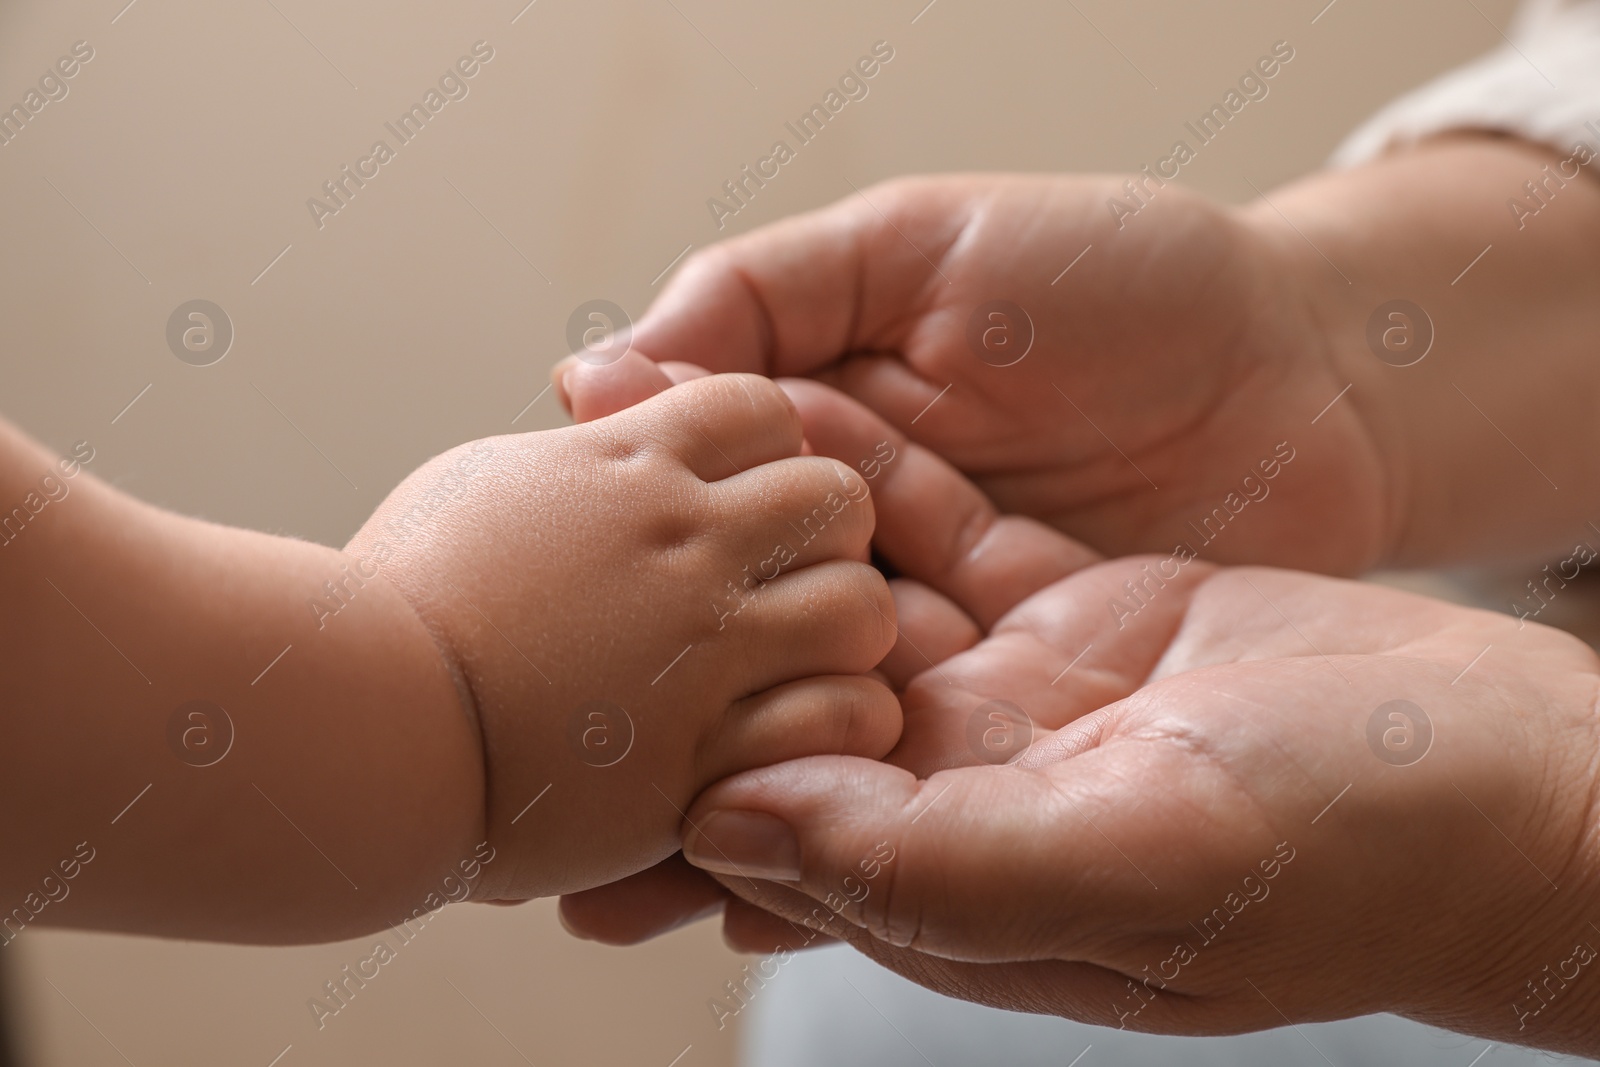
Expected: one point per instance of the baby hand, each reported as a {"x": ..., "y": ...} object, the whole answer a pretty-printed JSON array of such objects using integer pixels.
[{"x": 636, "y": 608}]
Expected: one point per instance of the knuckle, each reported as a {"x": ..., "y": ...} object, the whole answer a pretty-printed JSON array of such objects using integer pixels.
[
  {"x": 849, "y": 710},
  {"x": 738, "y": 388},
  {"x": 767, "y": 398},
  {"x": 857, "y": 707},
  {"x": 831, "y": 489},
  {"x": 836, "y": 592},
  {"x": 679, "y": 530},
  {"x": 758, "y": 387},
  {"x": 875, "y": 590},
  {"x": 799, "y": 489},
  {"x": 616, "y": 445},
  {"x": 852, "y": 609},
  {"x": 626, "y": 442},
  {"x": 751, "y": 401},
  {"x": 848, "y": 480}
]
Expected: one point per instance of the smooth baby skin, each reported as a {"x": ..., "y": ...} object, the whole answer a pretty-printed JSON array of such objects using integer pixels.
[{"x": 396, "y": 707}]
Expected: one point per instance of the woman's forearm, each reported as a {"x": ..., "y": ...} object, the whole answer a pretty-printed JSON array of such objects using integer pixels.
[
  {"x": 241, "y": 763},
  {"x": 1495, "y": 433}
]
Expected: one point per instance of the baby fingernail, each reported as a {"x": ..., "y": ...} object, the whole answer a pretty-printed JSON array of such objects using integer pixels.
[{"x": 749, "y": 843}]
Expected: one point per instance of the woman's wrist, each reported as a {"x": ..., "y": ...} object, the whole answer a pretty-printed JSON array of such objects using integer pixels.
[
  {"x": 1322, "y": 298},
  {"x": 1468, "y": 341}
]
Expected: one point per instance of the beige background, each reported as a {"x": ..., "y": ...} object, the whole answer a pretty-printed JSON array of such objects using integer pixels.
[{"x": 412, "y": 322}]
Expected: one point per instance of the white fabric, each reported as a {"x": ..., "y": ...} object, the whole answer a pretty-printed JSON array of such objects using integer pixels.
[{"x": 1542, "y": 85}]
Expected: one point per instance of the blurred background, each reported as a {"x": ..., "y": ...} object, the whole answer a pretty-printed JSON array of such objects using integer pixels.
[{"x": 429, "y": 309}]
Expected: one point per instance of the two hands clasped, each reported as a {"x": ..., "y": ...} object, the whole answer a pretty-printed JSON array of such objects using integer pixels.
[
  {"x": 1194, "y": 834},
  {"x": 1206, "y": 833}
]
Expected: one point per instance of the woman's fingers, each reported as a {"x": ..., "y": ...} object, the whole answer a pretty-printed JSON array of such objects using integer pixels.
[
  {"x": 931, "y": 630},
  {"x": 749, "y": 928},
  {"x": 794, "y": 296},
  {"x": 1082, "y": 991},
  {"x": 590, "y": 392},
  {"x": 978, "y": 864},
  {"x": 678, "y": 371},
  {"x": 646, "y": 905},
  {"x": 933, "y": 524}
]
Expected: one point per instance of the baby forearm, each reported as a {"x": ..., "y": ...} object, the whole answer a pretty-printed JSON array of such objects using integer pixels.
[
  {"x": 241, "y": 764},
  {"x": 1503, "y": 409}
]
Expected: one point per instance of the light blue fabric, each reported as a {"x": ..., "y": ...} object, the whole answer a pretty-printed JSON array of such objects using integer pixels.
[{"x": 834, "y": 1008}]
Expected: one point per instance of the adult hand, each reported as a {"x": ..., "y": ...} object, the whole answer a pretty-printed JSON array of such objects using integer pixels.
[
  {"x": 1183, "y": 344},
  {"x": 1179, "y": 353},
  {"x": 1223, "y": 822}
]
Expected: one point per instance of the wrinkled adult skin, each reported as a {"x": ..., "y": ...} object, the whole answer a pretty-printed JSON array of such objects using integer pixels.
[
  {"x": 1182, "y": 335},
  {"x": 1182, "y": 348},
  {"x": 1205, "y": 755},
  {"x": 1191, "y": 338}
]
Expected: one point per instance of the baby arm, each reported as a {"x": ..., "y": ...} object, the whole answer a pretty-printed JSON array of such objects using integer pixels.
[
  {"x": 411, "y": 716},
  {"x": 348, "y": 776}
]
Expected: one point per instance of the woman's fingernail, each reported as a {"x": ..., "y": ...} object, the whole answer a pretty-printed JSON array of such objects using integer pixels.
[{"x": 749, "y": 843}]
